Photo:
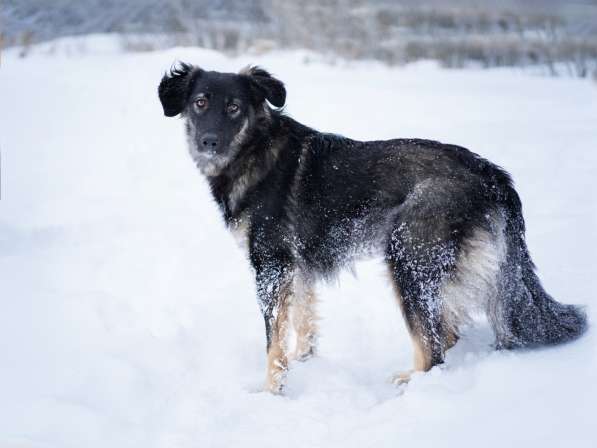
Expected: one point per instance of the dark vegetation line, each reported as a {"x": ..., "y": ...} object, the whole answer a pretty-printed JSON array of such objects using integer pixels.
[{"x": 558, "y": 36}]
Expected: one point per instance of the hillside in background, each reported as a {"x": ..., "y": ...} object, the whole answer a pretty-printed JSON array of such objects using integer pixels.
[{"x": 559, "y": 36}]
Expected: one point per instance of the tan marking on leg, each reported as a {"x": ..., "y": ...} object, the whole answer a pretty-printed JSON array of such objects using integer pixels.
[
  {"x": 422, "y": 362},
  {"x": 304, "y": 319},
  {"x": 277, "y": 363},
  {"x": 421, "y": 355}
]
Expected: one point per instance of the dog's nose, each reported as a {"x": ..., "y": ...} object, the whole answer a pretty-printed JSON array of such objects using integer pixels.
[{"x": 209, "y": 141}]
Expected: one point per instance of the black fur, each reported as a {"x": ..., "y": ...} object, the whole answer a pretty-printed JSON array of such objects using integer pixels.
[
  {"x": 310, "y": 202},
  {"x": 174, "y": 88}
]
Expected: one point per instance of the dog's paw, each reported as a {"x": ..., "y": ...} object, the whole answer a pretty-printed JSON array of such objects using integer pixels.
[
  {"x": 276, "y": 378},
  {"x": 303, "y": 355},
  {"x": 401, "y": 377},
  {"x": 274, "y": 389}
]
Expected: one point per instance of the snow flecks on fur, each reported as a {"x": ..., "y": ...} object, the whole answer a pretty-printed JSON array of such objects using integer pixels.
[
  {"x": 420, "y": 267},
  {"x": 527, "y": 316}
]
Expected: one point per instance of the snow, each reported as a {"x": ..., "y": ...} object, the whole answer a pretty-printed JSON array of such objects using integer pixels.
[{"x": 129, "y": 314}]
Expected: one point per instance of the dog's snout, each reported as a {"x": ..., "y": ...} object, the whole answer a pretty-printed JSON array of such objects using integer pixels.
[{"x": 209, "y": 141}]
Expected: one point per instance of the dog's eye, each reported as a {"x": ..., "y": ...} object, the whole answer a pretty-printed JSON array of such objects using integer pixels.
[
  {"x": 201, "y": 103},
  {"x": 232, "y": 108}
]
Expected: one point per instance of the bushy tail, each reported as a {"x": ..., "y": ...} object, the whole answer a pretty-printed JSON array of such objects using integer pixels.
[
  {"x": 529, "y": 316},
  {"x": 541, "y": 320}
]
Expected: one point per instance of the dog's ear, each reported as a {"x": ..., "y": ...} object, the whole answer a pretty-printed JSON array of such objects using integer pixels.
[
  {"x": 266, "y": 85},
  {"x": 175, "y": 87}
]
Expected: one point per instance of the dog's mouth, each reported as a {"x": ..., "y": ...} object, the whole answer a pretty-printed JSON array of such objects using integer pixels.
[
  {"x": 209, "y": 162},
  {"x": 208, "y": 154}
]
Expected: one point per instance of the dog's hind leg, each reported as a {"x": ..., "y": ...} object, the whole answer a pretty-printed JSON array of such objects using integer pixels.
[
  {"x": 419, "y": 266},
  {"x": 304, "y": 319}
]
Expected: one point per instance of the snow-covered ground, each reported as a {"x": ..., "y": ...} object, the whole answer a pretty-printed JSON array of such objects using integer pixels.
[{"x": 128, "y": 313}]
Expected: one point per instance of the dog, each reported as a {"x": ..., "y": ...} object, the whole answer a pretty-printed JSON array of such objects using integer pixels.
[{"x": 447, "y": 222}]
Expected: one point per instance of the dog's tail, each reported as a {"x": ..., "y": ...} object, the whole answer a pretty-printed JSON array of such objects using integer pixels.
[
  {"x": 527, "y": 315},
  {"x": 545, "y": 321}
]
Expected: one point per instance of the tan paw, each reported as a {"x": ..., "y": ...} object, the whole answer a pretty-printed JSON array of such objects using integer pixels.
[
  {"x": 276, "y": 377},
  {"x": 401, "y": 377}
]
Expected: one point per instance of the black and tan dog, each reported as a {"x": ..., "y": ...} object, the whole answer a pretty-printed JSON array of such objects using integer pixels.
[{"x": 447, "y": 222}]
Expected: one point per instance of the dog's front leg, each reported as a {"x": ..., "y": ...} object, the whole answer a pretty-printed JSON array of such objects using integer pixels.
[{"x": 274, "y": 284}]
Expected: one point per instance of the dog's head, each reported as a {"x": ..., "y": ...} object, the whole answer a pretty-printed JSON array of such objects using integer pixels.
[{"x": 221, "y": 109}]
